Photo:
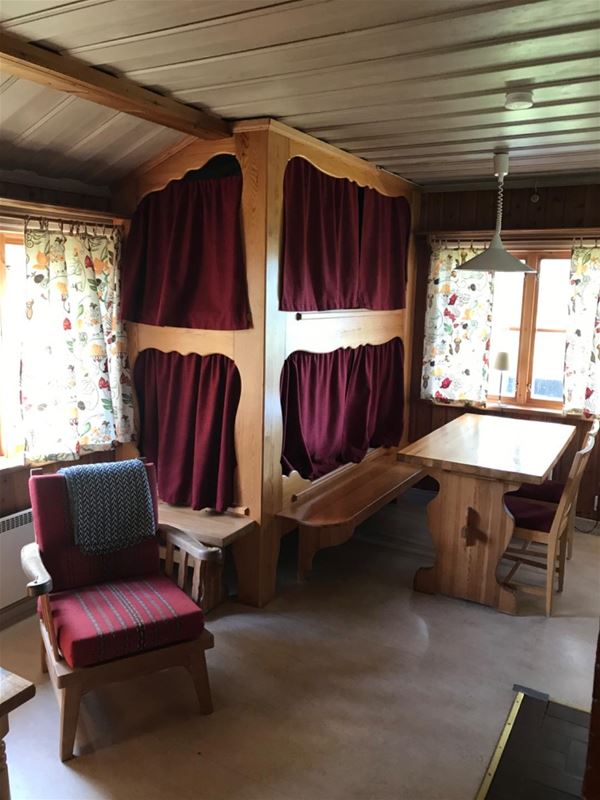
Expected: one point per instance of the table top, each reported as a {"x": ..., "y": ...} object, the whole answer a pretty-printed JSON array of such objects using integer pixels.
[
  {"x": 504, "y": 448},
  {"x": 14, "y": 691}
]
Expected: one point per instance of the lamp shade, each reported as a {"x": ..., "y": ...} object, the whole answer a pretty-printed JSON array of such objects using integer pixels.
[
  {"x": 502, "y": 361},
  {"x": 495, "y": 259}
]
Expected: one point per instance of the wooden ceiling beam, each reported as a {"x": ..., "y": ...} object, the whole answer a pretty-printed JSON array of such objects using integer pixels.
[{"x": 67, "y": 74}]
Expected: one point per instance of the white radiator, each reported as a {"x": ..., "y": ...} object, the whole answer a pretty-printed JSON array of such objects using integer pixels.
[{"x": 16, "y": 530}]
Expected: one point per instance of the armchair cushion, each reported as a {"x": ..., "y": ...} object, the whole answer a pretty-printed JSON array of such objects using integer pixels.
[
  {"x": 122, "y": 618},
  {"x": 529, "y": 514}
]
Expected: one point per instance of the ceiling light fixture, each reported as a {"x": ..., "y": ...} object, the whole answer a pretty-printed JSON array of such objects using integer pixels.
[
  {"x": 518, "y": 101},
  {"x": 496, "y": 258}
]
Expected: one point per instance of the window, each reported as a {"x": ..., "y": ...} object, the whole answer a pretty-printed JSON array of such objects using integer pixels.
[
  {"x": 12, "y": 307},
  {"x": 529, "y": 322}
]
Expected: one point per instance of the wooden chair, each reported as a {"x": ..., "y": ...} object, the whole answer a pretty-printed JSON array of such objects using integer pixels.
[
  {"x": 105, "y": 618},
  {"x": 543, "y": 530},
  {"x": 551, "y": 491}
]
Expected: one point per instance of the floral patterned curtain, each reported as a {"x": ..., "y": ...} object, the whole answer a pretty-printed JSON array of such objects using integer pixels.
[
  {"x": 457, "y": 330},
  {"x": 75, "y": 382},
  {"x": 582, "y": 354}
]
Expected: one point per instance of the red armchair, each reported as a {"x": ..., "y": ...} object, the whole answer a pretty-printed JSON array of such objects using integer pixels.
[{"x": 105, "y": 617}]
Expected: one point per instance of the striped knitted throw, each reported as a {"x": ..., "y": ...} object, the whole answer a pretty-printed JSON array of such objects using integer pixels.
[{"x": 111, "y": 505}]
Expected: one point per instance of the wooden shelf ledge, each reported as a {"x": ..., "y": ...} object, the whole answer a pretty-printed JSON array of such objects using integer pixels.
[{"x": 209, "y": 527}]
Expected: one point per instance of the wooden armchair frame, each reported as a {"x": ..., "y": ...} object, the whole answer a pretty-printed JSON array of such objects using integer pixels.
[
  {"x": 71, "y": 683},
  {"x": 548, "y": 549}
]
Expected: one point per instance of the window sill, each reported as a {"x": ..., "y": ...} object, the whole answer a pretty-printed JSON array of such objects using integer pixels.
[
  {"x": 494, "y": 407},
  {"x": 13, "y": 465},
  {"x": 8, "y": 465}
]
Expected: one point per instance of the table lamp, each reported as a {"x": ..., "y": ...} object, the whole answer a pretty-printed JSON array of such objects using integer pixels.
[{"x": 502, "y": 364}]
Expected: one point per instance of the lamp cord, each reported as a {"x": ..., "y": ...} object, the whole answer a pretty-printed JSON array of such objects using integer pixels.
[{"x": 500, "y": 203}]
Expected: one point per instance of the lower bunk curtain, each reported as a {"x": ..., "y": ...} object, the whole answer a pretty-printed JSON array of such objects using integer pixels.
[
  {"x": 336, "y": 405},
  {"x": 187, "y": 408}
]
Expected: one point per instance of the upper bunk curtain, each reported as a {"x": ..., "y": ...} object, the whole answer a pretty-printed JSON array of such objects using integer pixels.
[
  {"x": 336, "y": 405},
  {"x": 385, "y": 234},
  {"x": 320, "y": 240},
  {"x": 183, "y": 263},
  {"x": 187, "y": 410},
  {"x": 343, "y": 247}
]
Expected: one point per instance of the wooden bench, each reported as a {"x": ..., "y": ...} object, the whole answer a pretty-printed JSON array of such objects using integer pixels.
[
  {"x": 198, "y": 539},
  {"x": 327, "y": 512}
]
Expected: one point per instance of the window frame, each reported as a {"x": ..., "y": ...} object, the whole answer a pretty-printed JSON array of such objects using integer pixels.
[
  {"x": 524, "y": 376},
  {"x": 6, "y": 237}
]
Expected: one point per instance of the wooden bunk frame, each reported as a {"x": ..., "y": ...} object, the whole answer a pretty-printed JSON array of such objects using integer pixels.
[{"x": 263, "y": 148}]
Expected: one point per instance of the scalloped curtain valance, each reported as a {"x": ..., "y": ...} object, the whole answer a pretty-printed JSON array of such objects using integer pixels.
[{"x": 343, "y": 246}]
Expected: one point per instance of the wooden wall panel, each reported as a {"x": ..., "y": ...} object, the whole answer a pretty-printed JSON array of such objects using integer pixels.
[
  {"x": 471, "y": 210},
  {"x": 14, "y": 490},
  {"x": 58, "y": 197}
]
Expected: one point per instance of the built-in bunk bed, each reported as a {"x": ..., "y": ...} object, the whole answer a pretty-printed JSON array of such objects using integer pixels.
[{"x": 268, "y": 283}]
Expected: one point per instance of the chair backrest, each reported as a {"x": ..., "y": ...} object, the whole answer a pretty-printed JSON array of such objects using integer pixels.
[
  {"x": 569, "y": 496},
  {"x": 65, "y": 562}
]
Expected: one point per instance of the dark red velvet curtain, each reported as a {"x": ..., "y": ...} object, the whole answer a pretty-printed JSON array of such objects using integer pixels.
[
  {"x": 187, "y": 410},
  {"x": 320, "y": 240},
  {"x": 336, "y": 405},
  {"x": 183, "y": 261},
  {"x": 343, "y": 246},
  {"x": 385, "y": 234}
]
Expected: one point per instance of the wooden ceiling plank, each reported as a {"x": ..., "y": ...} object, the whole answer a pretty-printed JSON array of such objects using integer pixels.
[
  {"x": 85, "y": 23},
  {"x": 483, "y": 144},
  {"x": 553, "y": 151},
  {"x": 346, "y": 67},
  {"x": 429, "y": 131},
  {"x": 484, "y": 166},
  {"x": 467, "y": 119},
  {"x": 294, "y": 98},
  {"x": 393, "y": 109},
  {"x": 336, "y": 25},
  {"x": 74, "y": 77}
]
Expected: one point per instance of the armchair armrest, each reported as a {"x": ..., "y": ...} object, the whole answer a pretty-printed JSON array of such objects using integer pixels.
[
  {"x": 189, "y": 544},
  {"x": 31, "y": 561}
]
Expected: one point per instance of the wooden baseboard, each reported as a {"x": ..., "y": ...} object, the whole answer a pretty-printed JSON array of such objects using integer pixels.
[{"x": 15, "y": 612}]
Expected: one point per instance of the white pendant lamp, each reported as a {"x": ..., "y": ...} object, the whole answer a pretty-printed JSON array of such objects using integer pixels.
[{"x": 496, "y": 258}]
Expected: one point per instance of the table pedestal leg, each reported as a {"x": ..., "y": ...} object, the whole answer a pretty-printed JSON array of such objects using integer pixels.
[{"x": 471, "y": 529}]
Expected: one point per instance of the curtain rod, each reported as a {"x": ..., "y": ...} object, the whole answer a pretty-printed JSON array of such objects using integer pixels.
[
  {"x": 538, "y": 239},
  {"x": 96, "y": 227},
  {"x": 514, "y": 233}
]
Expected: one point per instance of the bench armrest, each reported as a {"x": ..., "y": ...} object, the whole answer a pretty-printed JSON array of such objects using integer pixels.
[{"x": 31, "y": 561}]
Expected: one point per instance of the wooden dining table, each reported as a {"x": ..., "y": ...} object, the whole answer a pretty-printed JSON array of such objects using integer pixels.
[{"x": 477, "y": 459}]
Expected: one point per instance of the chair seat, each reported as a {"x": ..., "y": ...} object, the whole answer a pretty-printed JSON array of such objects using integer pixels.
[
  {"x": 548, "y": 492},
  {"x": 529, "y": 514},
  {"x": 121, "y": 618}
]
